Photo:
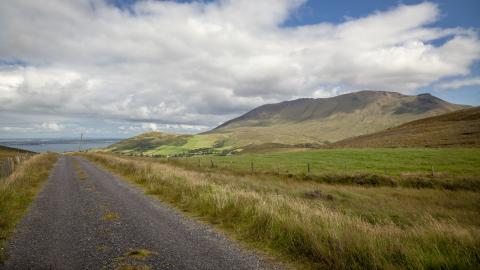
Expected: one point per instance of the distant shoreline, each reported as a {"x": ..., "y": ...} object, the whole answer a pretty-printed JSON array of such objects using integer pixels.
[{"x": 57, "y": 144}]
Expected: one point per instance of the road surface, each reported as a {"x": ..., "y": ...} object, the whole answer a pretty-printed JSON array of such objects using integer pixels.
[{"x": 97, "y": 221}]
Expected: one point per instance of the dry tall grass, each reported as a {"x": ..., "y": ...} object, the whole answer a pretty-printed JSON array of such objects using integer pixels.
[
  {"x": 275, "y": 217},
  {"x": 18, "y": 190}
]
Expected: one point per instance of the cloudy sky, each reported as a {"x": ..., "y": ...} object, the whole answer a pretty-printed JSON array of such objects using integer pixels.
[{"x": 119, "y": 68}]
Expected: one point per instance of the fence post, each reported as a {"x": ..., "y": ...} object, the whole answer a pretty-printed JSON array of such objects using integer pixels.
[
  {"x": 308, "y": 168},
  {"x": 2, "y": 168},
  {"x": 12, "y": 163},
  {"x": 6, "y": 164},
  {"x": 6, "y": 167},
  {"x": 211, "y": 163},
  {"x": 251, "y": 166},
  {"x": 433, "y": 172}
]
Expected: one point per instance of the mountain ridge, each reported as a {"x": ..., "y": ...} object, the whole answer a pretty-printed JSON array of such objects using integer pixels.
[
  {"x": 290, "y": 102},
  {"x": 302, "y": 122},
  {"x": 332, "y": 119},
  {"x": 345, "y": 103}
]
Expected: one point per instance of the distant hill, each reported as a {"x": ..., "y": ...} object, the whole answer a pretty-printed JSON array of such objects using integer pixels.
[
  {"x": 317, "y": 121},
  {"x": 455, "y": 129},
  {"x": 166, "y": 144},
  {"x": 295, "y": 124}
]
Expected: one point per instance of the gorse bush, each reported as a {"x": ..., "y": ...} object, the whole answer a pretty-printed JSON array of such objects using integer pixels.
[
  {"x": 272, "y": 216},
  {"x": 363, "y": 179},
  {"x": 405, "y": 180}
]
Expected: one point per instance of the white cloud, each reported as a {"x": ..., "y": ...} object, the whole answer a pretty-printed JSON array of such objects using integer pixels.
[
  {"x": 150, "y": 126},
  {"x": 455, "y": 84},
  {"x": 51, "y": 126},
  {"x": 167, "y": 127},
  {"x": 15, "y": 129},
  {"x": 198, "y": 64},
  {"x": 326, "y": 92}
]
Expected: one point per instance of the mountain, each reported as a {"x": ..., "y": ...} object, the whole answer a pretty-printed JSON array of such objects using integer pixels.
[
  {"x": 455, "y": 129},
  {"x": 322, "y": 120},
  {"x": 288, "y": 125}
]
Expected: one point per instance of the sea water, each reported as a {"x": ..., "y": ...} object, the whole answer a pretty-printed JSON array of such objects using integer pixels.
[{"x": 57, "y": 145}]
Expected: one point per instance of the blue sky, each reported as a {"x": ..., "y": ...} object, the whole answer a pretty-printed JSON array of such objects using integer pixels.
[
  {"x": 463, "y": 13},
  {"x": 120, "y": 67}
]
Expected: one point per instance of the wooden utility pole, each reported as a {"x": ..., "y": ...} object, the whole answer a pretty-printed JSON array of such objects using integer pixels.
[{"x": 80, "y": 144}]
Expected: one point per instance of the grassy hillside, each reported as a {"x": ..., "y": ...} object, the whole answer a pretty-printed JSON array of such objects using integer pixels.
[
  {"x": 456, "y": 129},
  {"x": 165, "y": 144},
  {"x": 325, "y": 226}
]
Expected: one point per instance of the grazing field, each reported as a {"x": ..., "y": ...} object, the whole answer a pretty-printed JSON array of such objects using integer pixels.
[
  {"x": 18, "y": 190},
  {"x": 317, "y": 225},
  {"x": 382, "y": 166}
]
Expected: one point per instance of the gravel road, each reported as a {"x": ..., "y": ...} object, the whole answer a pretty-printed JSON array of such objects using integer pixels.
[{"x": 100, "y": 222}]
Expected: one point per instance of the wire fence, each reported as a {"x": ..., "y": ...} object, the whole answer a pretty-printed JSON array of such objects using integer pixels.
[
  {"x": 309, "y": 168},
  {"x": 9, "y": 164}
]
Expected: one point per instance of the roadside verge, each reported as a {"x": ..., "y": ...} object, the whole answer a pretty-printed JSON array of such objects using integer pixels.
[{"x": 18, "y": 190}]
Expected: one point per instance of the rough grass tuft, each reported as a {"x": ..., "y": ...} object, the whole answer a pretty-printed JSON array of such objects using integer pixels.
[
  {"x": 139, "y": 254},
  {"x": 125, "y": 266},
  {"x": 110, "y": 216}
]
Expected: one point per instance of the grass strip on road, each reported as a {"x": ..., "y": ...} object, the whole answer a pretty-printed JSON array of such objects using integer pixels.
[
  {"x": 18, "y": 190},
  {"x": 319, "y": 225}
]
